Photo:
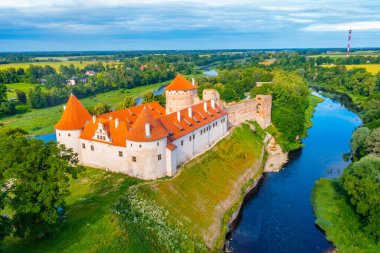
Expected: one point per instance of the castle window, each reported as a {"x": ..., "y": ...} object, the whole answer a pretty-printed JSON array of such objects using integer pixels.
[
  {"x": 158, "y": 144},
  {"x": 83, "y": 145},
  {"x": 181, "y": 143},
  {"x": 190, "y": 138},
  {"x": 120, "y": 153},
  {"x": 159, "y": 157},
  {"x": 131, "y": 144},
  {"x": 59, "y": 134},
  {"x": 100, "y": 130},
  {"x": 139, "y": 146},
  {"x": 92, "y": 147},
  {"x": 193, "y": 136},
  {"x": 69, "y": 135},
  {"x": 134, "y": 159},
  {"x": 104, "y": 138}
]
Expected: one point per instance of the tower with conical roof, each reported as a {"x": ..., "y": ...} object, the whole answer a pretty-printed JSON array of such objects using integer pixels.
[
  {"x": 70, "y": 126},
  {"x": 180, "y": 94},
  {"x": 146, "y": 147}
]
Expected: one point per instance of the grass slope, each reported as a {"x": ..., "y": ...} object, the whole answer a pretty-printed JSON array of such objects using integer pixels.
[
  {"x": 338, "y": 219},
  {"x": 41, "y": 121},
  {"x": 90, "y": 224},
  {"x": 208, "y": 189}
]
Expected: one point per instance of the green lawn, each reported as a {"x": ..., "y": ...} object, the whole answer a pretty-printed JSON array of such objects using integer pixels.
[
  {"x": 41, "y": 121},
  {"x": 55, "y": 65},
  {"x": 201, "y": 198},
  {"x": 338, "y": 219},
  {"x": 25, "y": 87},
  {"x": 90, "y": 225}
]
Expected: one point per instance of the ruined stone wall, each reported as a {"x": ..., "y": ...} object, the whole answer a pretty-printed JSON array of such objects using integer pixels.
[{"x": 258, "y": 109}]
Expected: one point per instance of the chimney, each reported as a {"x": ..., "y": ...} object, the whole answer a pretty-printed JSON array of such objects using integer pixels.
[
  {"x": 93, "y": 119},
  {"x": 193, "y": 81},
  {"x": 147, "y": 130},
  {"x": 213, "y": 103},
  {"x": 205, "y": 106},
  {"x": 179, "y": 116},
  {"x": 190, "y": 112},
  {"x": 64, "y": 107},
  {"x": 116, "y": 123}
]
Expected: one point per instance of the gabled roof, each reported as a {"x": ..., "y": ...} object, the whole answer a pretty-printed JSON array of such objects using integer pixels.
[
  {"x": 200, "y": 118},
  {"x": 137, "y": 131},
  {"x": 74, "y": 117},
  {"x": 180, "y": 83},
  {"x": 117, "y": 135}
]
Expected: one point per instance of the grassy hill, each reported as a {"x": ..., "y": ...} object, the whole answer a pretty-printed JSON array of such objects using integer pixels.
[
  {"x": 190, "y": 211},
  {"x": 55, "y": 65}
]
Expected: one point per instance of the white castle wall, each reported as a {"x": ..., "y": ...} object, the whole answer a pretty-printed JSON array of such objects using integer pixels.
[
  {"x": 104, "y": 155},
  {"x": 202, "y": 142},
  {"x": 147, "y": 165},
  {"x": 70, "y": 138},
  {"x": 177, "y": 100}
]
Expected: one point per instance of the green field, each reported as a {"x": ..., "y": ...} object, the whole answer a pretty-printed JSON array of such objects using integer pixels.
[
  {"x": 90, "y": 224},
  {"x": 25, "y": 87},
  {"x": 208, "y": 189},
  {"x": 338, "y": 219},
  {"x": 55, "y": 65},
  {"x": 41, "y": 121}
]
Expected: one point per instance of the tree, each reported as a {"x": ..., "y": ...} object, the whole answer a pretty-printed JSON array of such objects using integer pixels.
[
  {"x": 373, "y": 142},
  {"x": 358, "y": 143},
  {"x": 21, "y": 96},
  {"x": 3, "y": 93},
  {"x": 37, "y": 99},
  {"x": 101, "y": 108},
  {"x": 361, "y": 183},
  {"x": 126, "y": 103},
  {"x": 36, "y": 175},
  {"x": 148, "y": 97}
]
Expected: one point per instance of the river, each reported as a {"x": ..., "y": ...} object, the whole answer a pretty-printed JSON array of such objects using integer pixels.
[{"x": 279, "y": 217}]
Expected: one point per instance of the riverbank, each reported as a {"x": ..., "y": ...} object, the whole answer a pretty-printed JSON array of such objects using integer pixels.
[{"x": 192, "y": 210}]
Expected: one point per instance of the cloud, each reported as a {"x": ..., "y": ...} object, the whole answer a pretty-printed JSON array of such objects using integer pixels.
[{"x": 358, "y": 26}]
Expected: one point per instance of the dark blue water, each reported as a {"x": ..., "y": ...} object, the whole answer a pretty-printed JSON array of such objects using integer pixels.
[{"x": 279, "y": 218}]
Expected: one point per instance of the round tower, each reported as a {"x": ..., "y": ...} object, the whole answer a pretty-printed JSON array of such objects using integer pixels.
[
  {"x": 180, "y": 94},
  {"x": 70, "y": 126},
  {"x": 146, "y": 147}
]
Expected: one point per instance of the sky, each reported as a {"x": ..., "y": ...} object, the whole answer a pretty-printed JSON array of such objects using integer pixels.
[{"x": 81, "y": 25}]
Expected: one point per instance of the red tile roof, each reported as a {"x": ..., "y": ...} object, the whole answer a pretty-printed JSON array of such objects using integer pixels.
[
  {"x": 180, "y": 83},
  {"x": 200, "y": 118},
  {"x": 74, "y": 117},
  {"x": 117, "y": 135},
  {"x": 171, "y": 146},
  {"x": 137, "y": 132}
]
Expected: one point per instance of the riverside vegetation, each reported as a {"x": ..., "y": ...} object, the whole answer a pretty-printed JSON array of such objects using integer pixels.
[{"x": 348, "y": 208}]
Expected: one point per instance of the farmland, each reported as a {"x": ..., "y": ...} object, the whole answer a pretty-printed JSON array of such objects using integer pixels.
[
  {"x": 53, "y": 64},
  {"x": 371, "y": 68}
]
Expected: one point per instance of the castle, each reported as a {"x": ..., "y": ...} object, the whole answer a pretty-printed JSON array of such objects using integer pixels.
[{"x": 148, "y": 141}]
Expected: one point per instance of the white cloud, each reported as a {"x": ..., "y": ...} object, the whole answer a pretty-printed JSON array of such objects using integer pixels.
[{"x": 359, "y": 26}]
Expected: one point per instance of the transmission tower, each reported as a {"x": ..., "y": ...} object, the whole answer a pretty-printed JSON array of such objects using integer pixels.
[{"x": 349, "y": 42}]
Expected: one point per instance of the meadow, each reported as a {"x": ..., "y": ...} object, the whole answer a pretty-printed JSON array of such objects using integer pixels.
[
  {"x": 199, "y": 200},
  {"x": 42, "y": 121},
  {"x": 335, "y": 55},
  {"x": 25, "y": 87}
]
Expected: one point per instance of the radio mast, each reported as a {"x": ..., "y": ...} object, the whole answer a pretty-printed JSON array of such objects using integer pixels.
[{"x": 349, "y": 42}]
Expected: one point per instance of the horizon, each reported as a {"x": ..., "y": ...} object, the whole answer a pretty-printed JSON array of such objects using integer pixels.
[{"x": 118, "y": 25}]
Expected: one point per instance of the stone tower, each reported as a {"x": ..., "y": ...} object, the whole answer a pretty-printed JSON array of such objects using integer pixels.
[
  {"x": 180, "y": 94},
  {"x": 263, "y": 110}
]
